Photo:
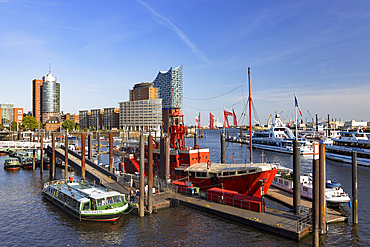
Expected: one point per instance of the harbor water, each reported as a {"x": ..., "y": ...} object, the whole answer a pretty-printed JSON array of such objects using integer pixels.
[{"x": 29, "y": 220}]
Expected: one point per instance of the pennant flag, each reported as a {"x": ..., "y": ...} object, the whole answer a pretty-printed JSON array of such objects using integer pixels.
[
  {"x": 296, "y": 105},
  {"x": 235, "y": 122},
  {"x": 199, "y": 121},
  {"x": 211, "y": 121}
]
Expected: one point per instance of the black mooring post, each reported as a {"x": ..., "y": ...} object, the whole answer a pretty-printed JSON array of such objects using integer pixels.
[
  {"x": 354, "y": 189},
  {"x": 322, "y": 184},
  {"x": 222, "y": 147},
  {"x": 296, "y": 177}
]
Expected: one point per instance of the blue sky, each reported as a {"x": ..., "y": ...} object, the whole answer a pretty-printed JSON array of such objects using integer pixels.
[{"x": 100, "y": 49}]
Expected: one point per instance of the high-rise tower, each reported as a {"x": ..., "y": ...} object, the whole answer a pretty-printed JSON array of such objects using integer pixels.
[{"x": 45, "y": 97}]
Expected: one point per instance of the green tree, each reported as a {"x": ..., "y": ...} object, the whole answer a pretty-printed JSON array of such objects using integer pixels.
[
  {"x": 21, "y": 126},
  {"x": 93, "y": 128},
  {"x": 14, "y": 126},
  {"x": 85, "y": 129},
  {"x": 78, "y": 127},
  {"x": 30, "y": 122},
  {"x": 69, "y": 125}
]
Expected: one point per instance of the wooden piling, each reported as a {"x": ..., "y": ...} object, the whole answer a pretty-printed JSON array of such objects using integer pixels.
[
  {"x": 110, "y": 151},
  {"x": 90, "y": 146},
  {"x": 32, "y": 139},
  {"x": 354, "y": 188},
  {"x": 322, "y": 184},
  {"x": 83, "y": 156},
  {"x": 52, "y": 169},
  {"x": 41, "y": 154},
  {"x": 98, "y": 138},
  {"x": 66, "y": 157},
  {"x": 315, "y": 197},
  {"x": 141, "y": 202},
  {"x": 296, "y": 177},
  {"x": 167, "y": 157},
  {"x": 150, "y": 174},
  {"x": 222, "y": 147}
]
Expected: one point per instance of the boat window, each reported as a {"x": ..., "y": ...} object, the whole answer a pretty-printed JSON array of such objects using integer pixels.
[
  {"x": 78, "y": 205},
  {"x": 93, "y": 204},
  {"x": 86, "y": 206},
  {"x": 117, "y": 199},
  {"x": 109, "y": 200},
  {"x": 242, "y": 172},
  {"x": 100, "y": 202},
  {"x": 275, "y": 179},
  {"x": 201, "y": 174},
  {"x": 286, "y": 183},
  {"x": 305, "y": 189},
  {"x": 280, "y": 181}
]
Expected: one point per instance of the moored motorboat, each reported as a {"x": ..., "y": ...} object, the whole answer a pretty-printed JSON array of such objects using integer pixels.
[
  {"x": 85, "y": 201},
  {"x": 12, "y": 164},
  {"x": 284, "y": 180}
]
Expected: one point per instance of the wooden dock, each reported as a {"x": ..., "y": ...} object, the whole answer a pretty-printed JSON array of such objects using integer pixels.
[
  {"x": 93, "y": 171},
  {"x": 286, "y": 199},
  {"x": 274, "y": 221}
]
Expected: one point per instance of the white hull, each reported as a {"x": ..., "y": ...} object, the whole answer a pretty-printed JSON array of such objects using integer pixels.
[{"x": 333, "y": 195}]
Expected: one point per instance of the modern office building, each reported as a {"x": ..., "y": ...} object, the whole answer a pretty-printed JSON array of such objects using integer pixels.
[
  {"x": 37, "y": 99},
  {"x": 18, "y": 114},
  {"x": 110, "y": 118},
  {"x": 143, "y": 111},
  {"x": 141, "y": 115},
  {"x": 84, "y": 116},
  {"x": 170, "y": 91},
  {"x": 7, "y": 114},
  {"x": 45, "y": 98},
  {"x": 144, "y": 90},
  {"x": 96, "y": 119},
  {"x": 50, "y": 97}
]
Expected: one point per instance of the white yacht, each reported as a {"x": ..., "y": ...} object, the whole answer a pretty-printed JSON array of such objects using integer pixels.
[{"x": 279, "y": 138}]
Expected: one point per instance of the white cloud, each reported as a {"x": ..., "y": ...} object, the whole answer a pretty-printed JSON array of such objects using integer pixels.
[{"x": 167, "y": 23}]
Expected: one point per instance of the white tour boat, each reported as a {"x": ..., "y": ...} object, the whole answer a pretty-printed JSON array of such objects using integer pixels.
[
  {"x": 333, "y": 192},
  {"x": 279, "y": 138},
  {"x": 342, "y": 147}
]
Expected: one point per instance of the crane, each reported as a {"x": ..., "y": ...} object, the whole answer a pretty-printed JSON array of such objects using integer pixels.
[{"x": 310, "y": 115}]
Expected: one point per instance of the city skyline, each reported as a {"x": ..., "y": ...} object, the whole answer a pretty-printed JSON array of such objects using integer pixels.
[{"x": 98, "y": 51}]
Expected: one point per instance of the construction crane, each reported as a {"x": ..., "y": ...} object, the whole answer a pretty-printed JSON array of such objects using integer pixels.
[
  {"x": 310, "y": 116},
  {"x": 268, "y": 121}
]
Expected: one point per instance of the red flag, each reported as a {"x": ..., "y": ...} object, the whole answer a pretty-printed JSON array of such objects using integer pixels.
[
  {"x": 211, "y": 121},
  {"x": 199, "y": 121},
  {"x": 234, "y": 115},
  {"x": 226, "y": 120}
]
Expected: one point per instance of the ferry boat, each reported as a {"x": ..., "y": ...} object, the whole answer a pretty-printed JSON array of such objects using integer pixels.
[
  {"x": 342, "y": 147},
  {"x": 84, "y": 200},
  {"x": 333, "y": 192},
  {"x": 12, "y": 164},
  {"x": 192, "y": 164},
  {"x": 279, "y": 138}
]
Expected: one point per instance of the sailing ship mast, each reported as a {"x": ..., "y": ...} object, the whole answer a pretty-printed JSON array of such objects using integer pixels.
[{"x": 250, "y": 115}]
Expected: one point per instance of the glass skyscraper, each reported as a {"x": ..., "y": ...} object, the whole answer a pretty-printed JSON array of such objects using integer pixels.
[{"x": 50, "y": 97}]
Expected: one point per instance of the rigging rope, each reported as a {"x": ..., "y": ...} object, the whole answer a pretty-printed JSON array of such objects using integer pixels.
[{"x": 218, "y": 96}]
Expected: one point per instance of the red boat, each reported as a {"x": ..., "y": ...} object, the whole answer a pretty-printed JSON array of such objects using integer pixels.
[{"x": 193, "y": 164}]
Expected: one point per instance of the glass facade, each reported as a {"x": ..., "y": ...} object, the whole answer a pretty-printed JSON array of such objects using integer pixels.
[
  {"x": 7, "y": 113},
  {"x": 50, "y": 96},
  {"x": 170, "y": 88}
]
